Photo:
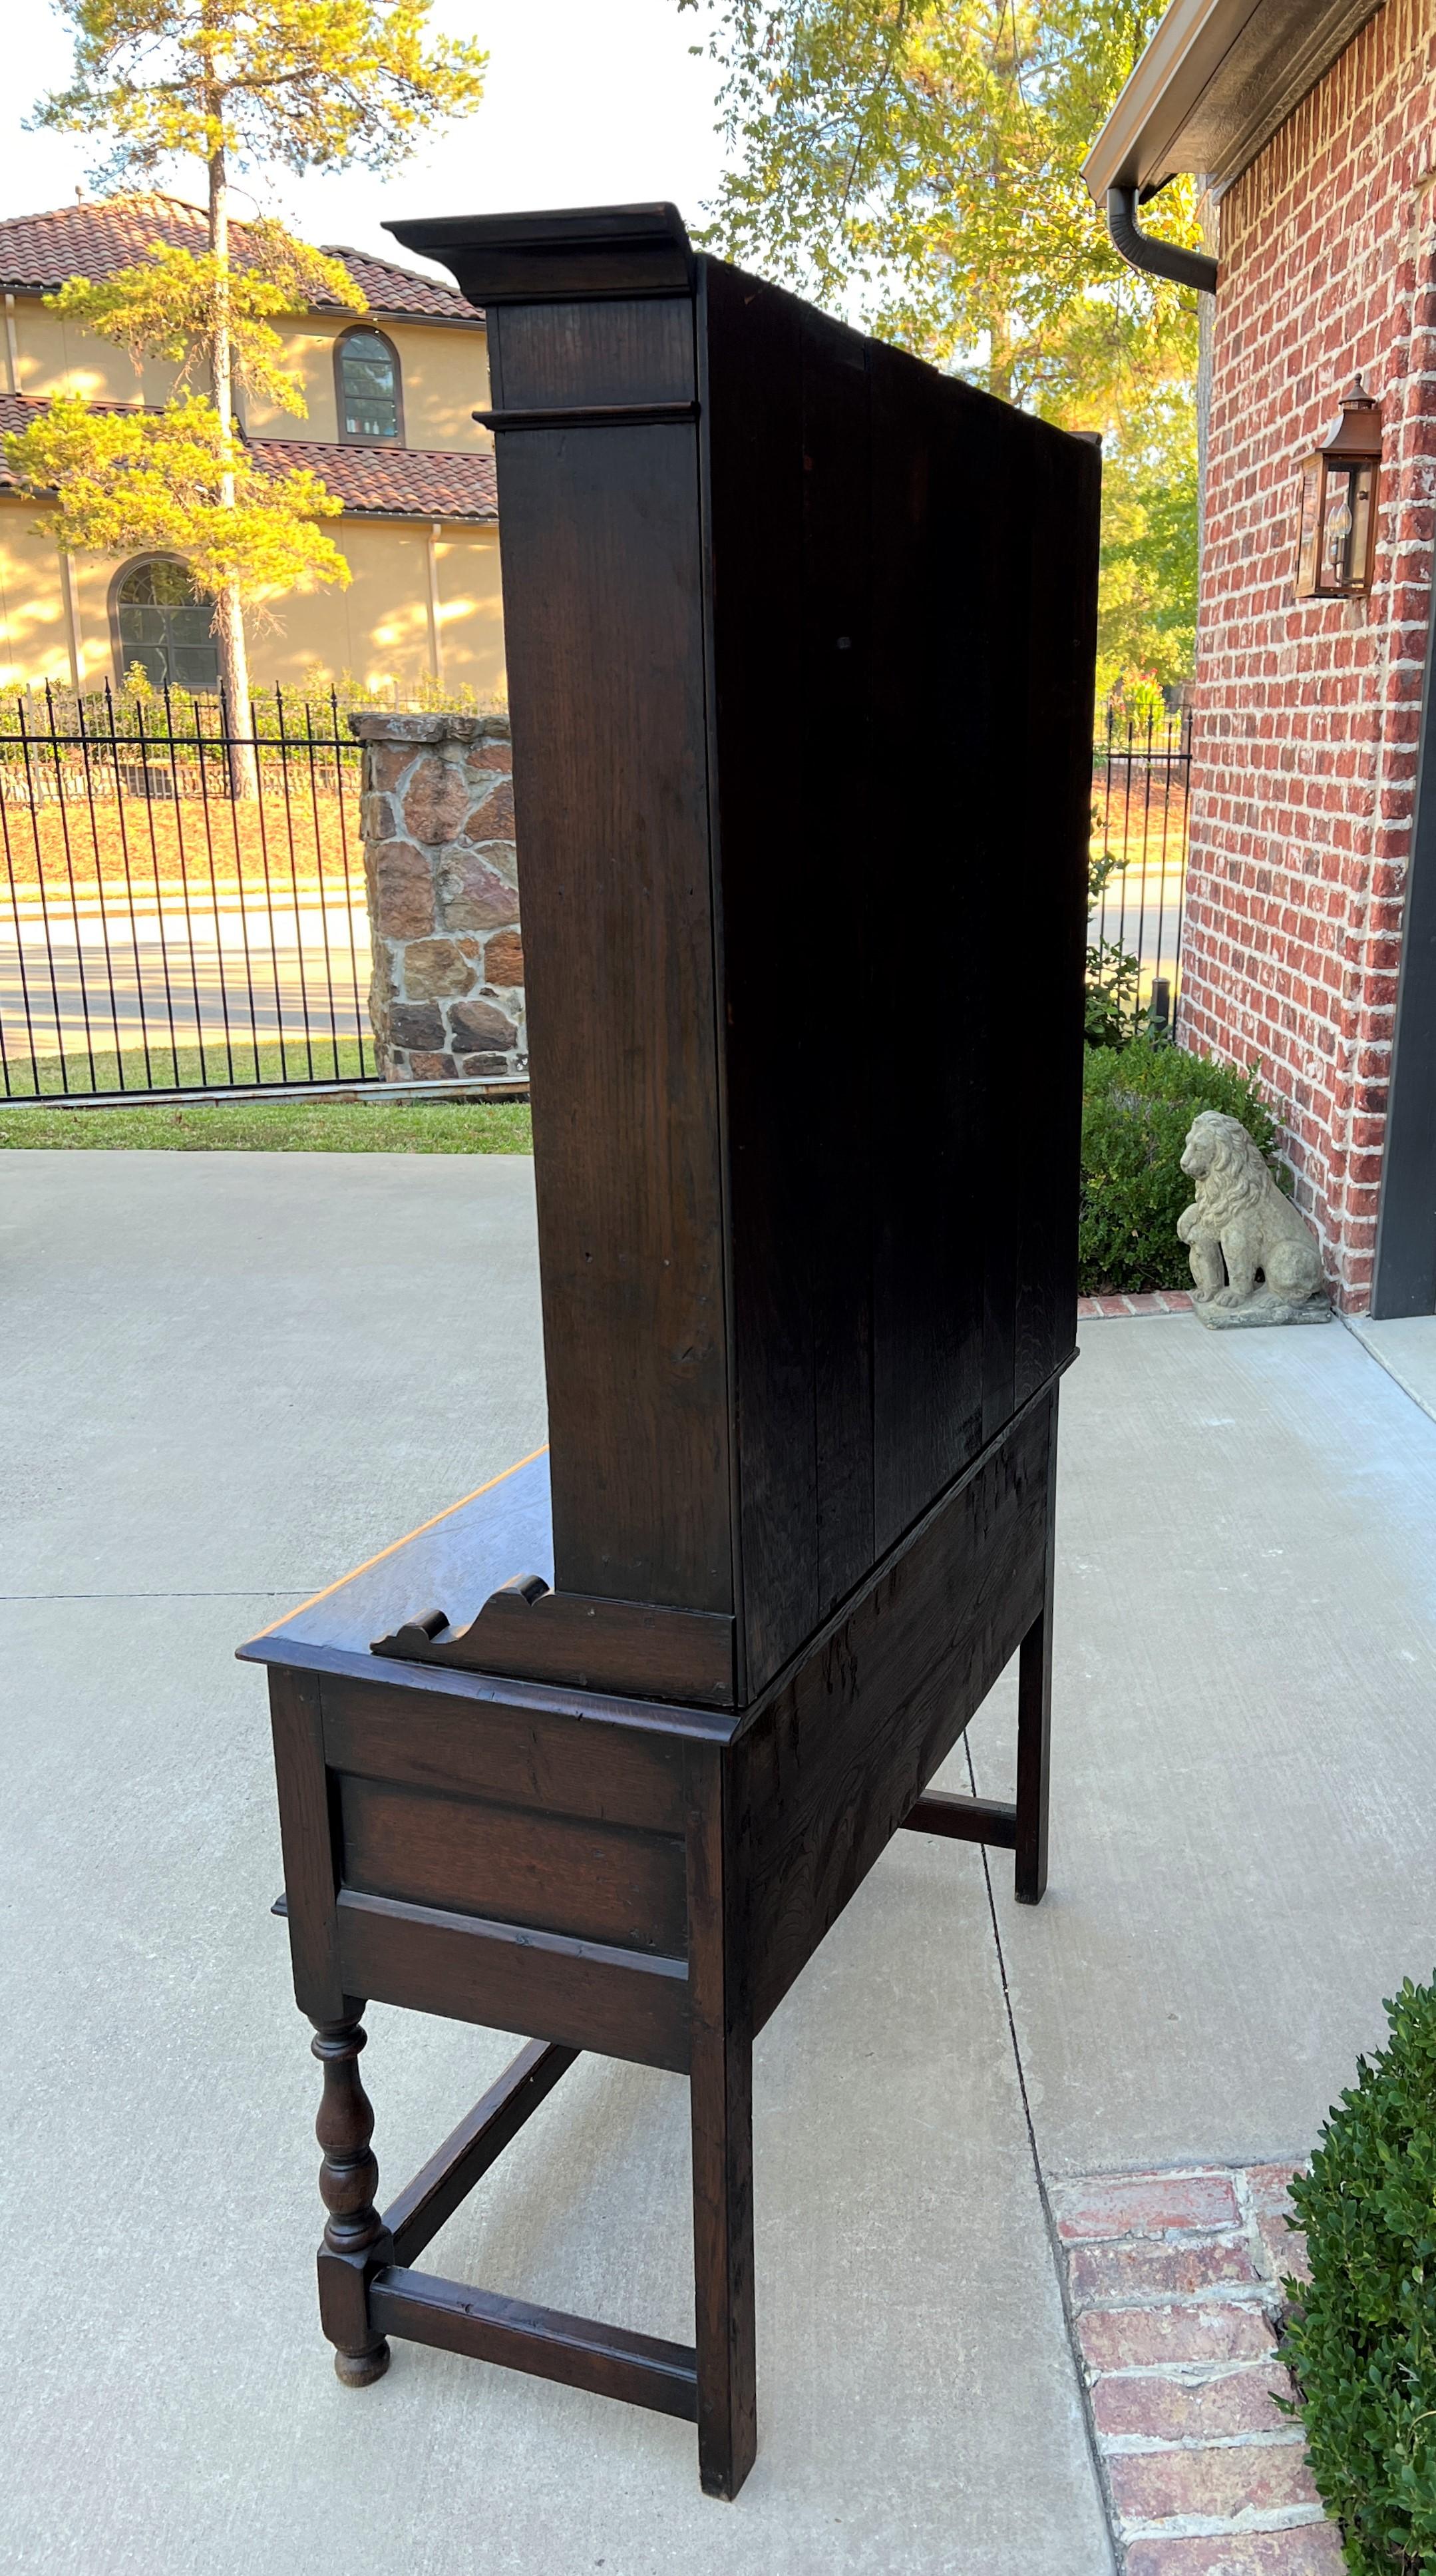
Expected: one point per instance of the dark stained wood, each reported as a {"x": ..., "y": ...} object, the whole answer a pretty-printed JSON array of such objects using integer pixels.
[
  {"x": 307, "y": 1842},
  {"x": 576, "y": 250},
  {"x": 800, "y": 640},
  {"x": 621, "y": 1006},
  {"x": 932, "y": 661},
  {"x": 838, "y": 1756},
  {"x": 529, "y": 1632},
  {"x": 721, "y": 2103},
  {"x": 600, "y": 1882},
  {"x": 623, "y": 2003},
  {"x": 444, "y": 2183},
  {"x": 355, "y": 2241},
  {"x": 1034, "y": 1713},
  {"x": 965, "y": 1820},
  {"x": 581, "y": 2354},
  {"x": 592, "y": 416},
  {"x": 568, "y": 1766},
  {"x": 752, "y": 460},
  {"x": 595, "y": 355}
]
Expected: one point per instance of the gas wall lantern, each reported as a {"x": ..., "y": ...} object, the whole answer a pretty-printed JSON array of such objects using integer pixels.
[{"x": 1337, "y": 546}]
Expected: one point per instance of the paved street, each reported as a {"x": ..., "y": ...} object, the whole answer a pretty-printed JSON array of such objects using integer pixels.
[
  {"x": 183, "y": 968},
  {"x": 232, "y": 1376}
]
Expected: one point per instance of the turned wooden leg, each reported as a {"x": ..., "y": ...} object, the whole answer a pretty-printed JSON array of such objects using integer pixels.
[{"x": 355, "y": 2243}]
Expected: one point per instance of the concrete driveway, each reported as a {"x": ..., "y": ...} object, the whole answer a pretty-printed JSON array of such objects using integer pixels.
[{"x": 231, "y": 1376}]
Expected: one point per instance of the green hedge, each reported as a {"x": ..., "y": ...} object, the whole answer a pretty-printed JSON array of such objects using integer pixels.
[
  {"x": 1361, "y": 2342},
  {"x": 1138, "y": 1104}
]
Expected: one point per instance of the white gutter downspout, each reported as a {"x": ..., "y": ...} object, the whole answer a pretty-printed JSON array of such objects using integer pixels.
[{"x": 12, "y": 346}]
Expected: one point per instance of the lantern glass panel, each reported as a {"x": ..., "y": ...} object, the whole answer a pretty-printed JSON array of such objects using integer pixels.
[
  {"x": 1308, "y": 560},
  {"x": 1337, "y": 524}
]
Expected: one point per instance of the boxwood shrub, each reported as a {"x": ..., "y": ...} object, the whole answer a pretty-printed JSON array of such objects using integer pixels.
[
  {"x": 1361, "y": 2339},
  {"x": 1138, "y": 1103}
]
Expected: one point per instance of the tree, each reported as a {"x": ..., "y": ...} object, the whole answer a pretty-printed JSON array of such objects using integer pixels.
[
  {"x": 1146, "y": 621},
  {"x": 181, "y": 480},
  {"x": 918, "y": 163},
  {"x": 177, "y": 481},
  {"x": 299, "y": 84}
]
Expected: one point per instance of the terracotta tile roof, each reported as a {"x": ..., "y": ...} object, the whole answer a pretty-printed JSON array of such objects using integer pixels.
[
  {"x": 94, "y": 238},
  {"x": 391, "y": 482},
  {"x": 372, "y": 482}
]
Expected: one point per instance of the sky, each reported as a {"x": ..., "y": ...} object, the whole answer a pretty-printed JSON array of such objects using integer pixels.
[{"x": 585, "y": 105}]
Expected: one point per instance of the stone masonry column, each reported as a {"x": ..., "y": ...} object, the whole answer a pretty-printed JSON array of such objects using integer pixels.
[{"x": 446, "y": 996}]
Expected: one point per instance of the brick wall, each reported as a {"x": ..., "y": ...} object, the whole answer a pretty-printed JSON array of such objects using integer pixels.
[{"x": 1306, "y": 714}]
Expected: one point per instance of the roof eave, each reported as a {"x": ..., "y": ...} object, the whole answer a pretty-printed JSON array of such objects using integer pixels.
[
  {"x": 1214, "y": 84},
  {"x": 341, "y": 314}
]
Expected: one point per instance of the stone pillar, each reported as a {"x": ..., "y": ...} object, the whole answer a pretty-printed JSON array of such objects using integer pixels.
[{"x": 437, "y": 815}]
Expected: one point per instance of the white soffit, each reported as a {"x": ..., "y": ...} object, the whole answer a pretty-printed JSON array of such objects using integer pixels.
[{"x": 1217, "y": 79}]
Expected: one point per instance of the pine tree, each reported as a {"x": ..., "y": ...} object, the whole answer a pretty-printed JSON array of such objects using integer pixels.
[{"x": 239, "y": 84}]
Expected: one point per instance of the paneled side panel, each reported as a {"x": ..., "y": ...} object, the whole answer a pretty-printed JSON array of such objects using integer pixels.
[
  {"x": 826, "y": 1774},
  {"x": 837, "y": 965},
  {"x": 622, "y": 2003},
  {"x": 518, "y": 1756},
  {"x": 936, "y": 669},
  {"x": 1057, "y": 707},
  {"x": 603, "y": 613},
  {"x": 751, "y": 349},
  {"x": 595, "y": 354},
  {"x": 514, "y": 1865}
]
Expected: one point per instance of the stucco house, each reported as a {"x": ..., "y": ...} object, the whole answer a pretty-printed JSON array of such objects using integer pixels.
[
  {"x": 391, "y": 394},
  {"x": 1310, "y": 939}
]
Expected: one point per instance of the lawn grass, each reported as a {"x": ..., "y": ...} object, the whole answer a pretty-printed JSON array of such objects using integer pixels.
[
  {"x": 280, "y": 1127},
  {"x": 168, "y": 1068}
]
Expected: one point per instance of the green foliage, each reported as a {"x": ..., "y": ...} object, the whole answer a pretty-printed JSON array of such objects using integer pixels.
[
  {"x": 1361, "y": 2342},
  {"x": 1147, "y": 601},
  {"x": 311, "y": 84},
  {"x": 138, "y": 710},
  {"x": 177, "y": 481},
  {"x": 918, "y": 163},
  {"x": 923, "y": 158},
  {"x": 390, "y": 1126},
  {"x": 1138, "y": 1104},
  {"x": 1112, "y": 970},
  {"x": 165, "y": 306},
  {"x": 305, "y": 84}
]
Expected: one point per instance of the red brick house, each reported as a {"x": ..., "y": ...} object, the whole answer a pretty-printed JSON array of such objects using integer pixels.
[{"x": 1310, "y": 937}]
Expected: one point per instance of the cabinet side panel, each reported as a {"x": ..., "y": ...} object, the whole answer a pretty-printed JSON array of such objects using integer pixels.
[
  {"x": 1056, "y": 709},
  {"x": 787, "y": 416},
  {"x": 984, "y": 573},
  {"x": 933, "y": 680},
  {"x": 602, "y": 611},
  {"x": 826, "y": 1774},
  {"x": 751, "y": 390}
]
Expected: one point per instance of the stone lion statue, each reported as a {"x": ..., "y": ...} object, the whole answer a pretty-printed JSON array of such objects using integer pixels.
[{"x": 1239, "y": 1229}]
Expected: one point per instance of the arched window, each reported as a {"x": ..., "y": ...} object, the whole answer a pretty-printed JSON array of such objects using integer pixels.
[
  {"x": 366, "y": 368},
  {"x": 164, "y": 626}
]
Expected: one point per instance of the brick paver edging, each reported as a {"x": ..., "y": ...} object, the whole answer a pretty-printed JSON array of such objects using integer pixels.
[
  {"x": 1174, "y": 2283},
  {"x": 1146, "y": 1301}
]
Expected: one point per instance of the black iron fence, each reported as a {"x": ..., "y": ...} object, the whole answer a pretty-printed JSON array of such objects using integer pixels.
[
  {"x": 182, "y": 906},
  {"x": 1141, "y": 783}
]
